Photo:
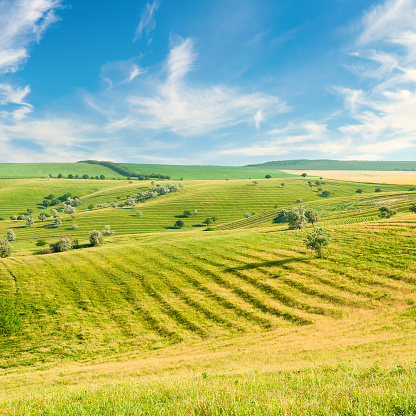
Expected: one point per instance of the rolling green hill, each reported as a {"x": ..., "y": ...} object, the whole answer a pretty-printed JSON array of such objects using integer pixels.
[
  {"x": 326, "y": 164},
  {"x": 186, "y": 172},
  {"x": 239, "y": 320},
  {"x": 40, "y": 170},
  {"x": 226, "y": 200}
]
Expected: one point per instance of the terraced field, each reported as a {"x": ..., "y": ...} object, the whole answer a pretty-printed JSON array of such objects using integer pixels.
[
  {"x": 226, "y": 200},
  {"x": 229, "y": 317}
]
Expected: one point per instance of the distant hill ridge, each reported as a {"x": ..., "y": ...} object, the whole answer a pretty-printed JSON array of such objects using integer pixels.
[
  {"x": 328, "y": 164},
  {"x": 122, "y": 170}
]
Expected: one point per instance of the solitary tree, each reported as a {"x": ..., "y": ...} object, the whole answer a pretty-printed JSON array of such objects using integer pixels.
[
  {"x": 187, "y": 213},
  {"x": 6, "y": 248},
  {"x": 11, "y": 236},
  {"x": 41, "y": 243},
  {"x": 54, "y": 212},
  {"x": 268, "y": 176},
  {"x": 247, "y": 215},
  {"x": 304, "y": 175},
  {"x": 412, "y": 207},
  {"x": 255, "y": 183},
  {"x": 74, "y": 226},
  {"x": 42, "y": 217},
  {"x": 58, "y": 221},
  {"x": 318, "y": 240},
  {"x": 179, "y": 224},
  {"x": 282, "y": 184},
  {"x": 29, "y": 221},
  {"x": 326, "y": 193},
  {"x": 139, "y": 213},
  {"x": 113, "y": 204},
  {"x": 48, "y": 176},
  {"x": 386, "y": 212},
  {"x": 96, "y": 238},
  {"x": 296, "y": 218},
  {"x": 311, "y": 215},
  {"x": 359, "y": 191},
  {"x": 378, "y": 190}
]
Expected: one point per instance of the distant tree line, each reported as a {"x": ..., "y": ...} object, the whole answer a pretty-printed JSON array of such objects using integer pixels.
[{"x": 122, "y": 170}]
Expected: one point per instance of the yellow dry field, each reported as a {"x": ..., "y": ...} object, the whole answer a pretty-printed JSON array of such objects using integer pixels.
[{"x": 388, "y": 177}]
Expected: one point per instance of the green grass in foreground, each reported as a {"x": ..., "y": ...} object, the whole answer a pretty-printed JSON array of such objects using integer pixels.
[
  {"x": 325, "y": 391},
  {"x": 176, "y": 172}
]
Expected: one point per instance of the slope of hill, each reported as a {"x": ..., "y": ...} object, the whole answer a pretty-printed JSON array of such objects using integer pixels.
[
  {"x": 327, "y": 164},
  {"x": 40, "y": 170},
  {"x": 241, "y": 320},
  {"x": 227, "y": 201},
  {"x": 195, "y": 172}
]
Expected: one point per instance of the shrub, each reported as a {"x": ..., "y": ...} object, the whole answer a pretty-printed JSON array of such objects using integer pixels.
[
  {"x": 6, "y": 248},
  {"x": 69, "y": 209},
  {"x": 268, "y": 176},
  {"x": 74, "y": 227},
  {"x": 10, "y": 322},
  {"x": 96, "y": 238},
  {"x": 179, "y": 224},
  {"x": 90, "y": 207},
  {"x": 254, "y": 183},
  {"x": 41, "y": 243},
  {"x": 187, "y": 213},
  {"x": 247, "y": 215},
  {"x": 113, "y": 204},
  {"x": 106, "y": 231},
  {"x": 29, "y": 221},
  {"x": 359, "y": 191},
  {"x": 13, "y": 217},
  {"x": 21, "y": 217},
  {"x": 326, "y": 193},
  {"x": 378, "y": 190},
  {"x": 318, "y": 240},
  {"x": 54, "y": 212},
  {"x": 64, "y": 244},
  {"x": 58, "y": 222},
  {"x": 11, "y": 236},
  {"x": 282, "y": 217},
  {"x": 139, "y": 213},
  {"x": 304, "y": 175},
  {"x": 282, "y": 184},
  {"x": 412, "y": 207},
  {"x": 299, "y": 201}
]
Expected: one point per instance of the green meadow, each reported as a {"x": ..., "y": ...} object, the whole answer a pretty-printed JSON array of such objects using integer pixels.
[{"x": 237, "y": 318}]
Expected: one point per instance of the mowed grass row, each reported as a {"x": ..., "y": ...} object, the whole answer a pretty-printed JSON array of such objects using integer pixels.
[
  {"x": 40, "y": 170},
  {"x": 228, "y": 201},
  {"x": 149, "y": 295}
]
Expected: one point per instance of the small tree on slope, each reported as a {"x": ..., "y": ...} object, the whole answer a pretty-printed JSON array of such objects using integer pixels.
[{"x": 318, "y": 240}]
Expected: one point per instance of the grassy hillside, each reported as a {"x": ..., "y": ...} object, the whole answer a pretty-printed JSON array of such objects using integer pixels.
[
  {"x": 186, "y": 172},
  {"x": 228, "y": 201},
  {"x": 326, "y": 164},
  {"x": 240, "y": 320},
  {"x": 40, "y": 170}
]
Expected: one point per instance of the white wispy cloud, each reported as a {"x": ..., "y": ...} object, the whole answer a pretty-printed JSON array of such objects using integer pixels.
[
  {"x": 147, "y": 21},
  {"x": 22, "y": 22},
  {"x": 384, "y": 113},
  {"x": 174, "y": 105}
]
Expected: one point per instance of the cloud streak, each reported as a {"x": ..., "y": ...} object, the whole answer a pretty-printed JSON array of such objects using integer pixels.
[{"x": 147, "y": 21}]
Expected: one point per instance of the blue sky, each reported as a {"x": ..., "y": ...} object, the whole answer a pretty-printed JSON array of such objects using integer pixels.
[{"x": 207, "y": 82}]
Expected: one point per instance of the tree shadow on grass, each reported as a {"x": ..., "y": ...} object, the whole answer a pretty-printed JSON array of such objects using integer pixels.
[{"x": 275, "y": 263}]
